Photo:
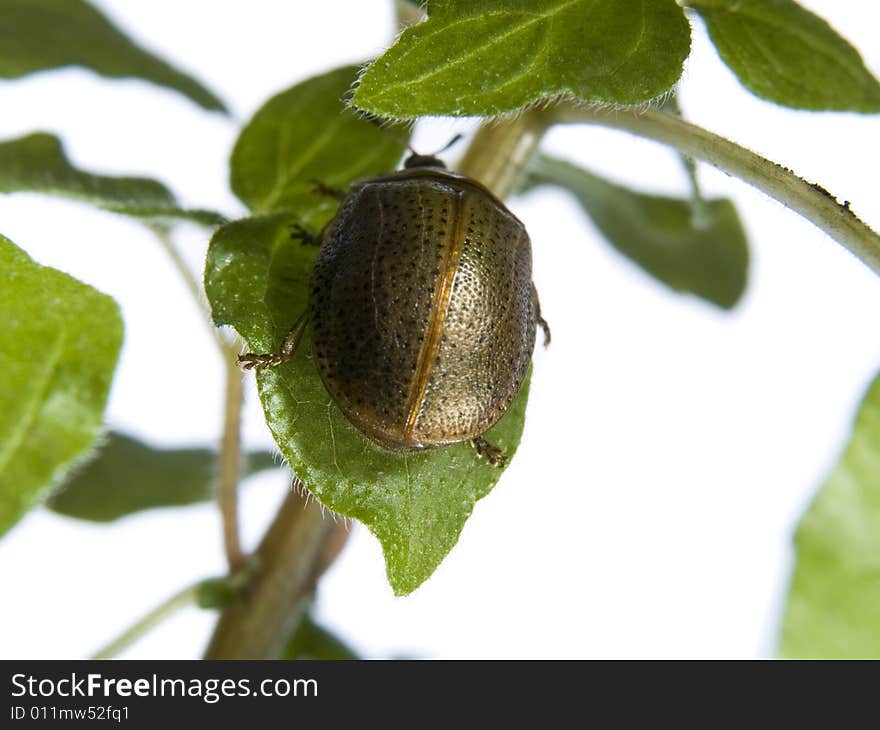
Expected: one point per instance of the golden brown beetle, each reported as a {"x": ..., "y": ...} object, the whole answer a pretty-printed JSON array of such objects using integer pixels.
[{"x": 422, "y": 308}]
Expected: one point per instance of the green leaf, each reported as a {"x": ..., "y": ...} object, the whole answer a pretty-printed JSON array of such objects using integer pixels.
[
  {"x": 483, "y": 59},
  {"x": 225, "y": 591},
  {"x": 313, "y": 641},
  {"x": 127, "y": 475},
  {"x": 256, "y": 279},
  {"x": 783, "y": 53},
  {"x": 42, "y": 34},
  {"x": 833, "y": 608},
  {"x": 59, "y": 344},
  {"x": 691, "y": 246},
  {"x": 37, "y": 163},
  {"x": 306, "y": 135}
]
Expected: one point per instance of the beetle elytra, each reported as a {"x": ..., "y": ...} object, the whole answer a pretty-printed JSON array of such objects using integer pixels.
[{"x": 422, "y": 309}]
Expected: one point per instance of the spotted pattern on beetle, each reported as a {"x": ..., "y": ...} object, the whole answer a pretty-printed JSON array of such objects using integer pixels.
[{"x": 422, "y": 308}]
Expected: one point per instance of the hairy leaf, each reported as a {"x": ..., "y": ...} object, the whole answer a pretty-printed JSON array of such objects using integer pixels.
[
  {"x": 256, "y": 279},
  {"x": 59, "y": 344},
  {"x": 304, "y": 136},
  {"x": 37, "y": 163},
  {"x": 313, "y": 641},
  {"x": 127, "y": 475},
  {"x": 697, "y": 247},
  {"x": 41, "y": 34},
  {"x": 783, "y": 53},
  {"x": 833, "y": 608},
  {"x": 483, "y": 59}
]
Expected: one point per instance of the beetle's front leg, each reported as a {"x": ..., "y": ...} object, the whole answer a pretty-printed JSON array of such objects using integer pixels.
[
  {"x": 320, "y": 188},
  {"x": 250, "y": 361},
  {"x": 307, "y": 238}
]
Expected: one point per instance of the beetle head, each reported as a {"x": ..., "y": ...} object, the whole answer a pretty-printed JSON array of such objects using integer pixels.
[{"x": 417, "y": 160}]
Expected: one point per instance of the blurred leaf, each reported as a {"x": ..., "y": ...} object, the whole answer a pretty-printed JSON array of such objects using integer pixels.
[
  {"x": 127, "y": 475},
  {"x": 306, "y": 135},
  {"x": 42, "y": 34},
  {"x": 783, "y": 53},
  {"x": 698, "y": 247},
  {"x": 59, "y": 344},
  {"x": 37, "y": 163},
  {"x": 218, "y": 594},
  {"x": 483, "y": 59},
  {"x": 833, "y": 606},
  {"x": 225, "y": 591},
  {"x": 312, "y": 641},
  {"x": 416, "y": 503}
]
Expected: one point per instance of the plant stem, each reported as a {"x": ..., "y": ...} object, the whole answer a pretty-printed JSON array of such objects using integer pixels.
[
  {"x": 810, "y": 200},
  {"x": 229, "y": 464},
  {"x": 229, "y": 460},
  {"x": 195, "y": 289},
  {"x": 286, "y": 567},
  {"x": 165, "y": 610},
  {"x": 291, "y": 555},
  {"x": 300, "y": 543},
  {"x": 407, "y": 14},
  {"x": 163, "y": 233},
  {"x": 501, "y": 150}
]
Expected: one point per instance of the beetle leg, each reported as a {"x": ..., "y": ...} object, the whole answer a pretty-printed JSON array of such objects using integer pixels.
[
  {"x": 320, "y": 188},
  {"x": 250, "y": 361},
  {"x": 297, "y": 232},
  {"x": 492, "y": 454},
  {"x": 542, "y": 323}
]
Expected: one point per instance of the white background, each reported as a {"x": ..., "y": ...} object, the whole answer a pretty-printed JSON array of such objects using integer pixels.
[{"x": 669, "y": 447}]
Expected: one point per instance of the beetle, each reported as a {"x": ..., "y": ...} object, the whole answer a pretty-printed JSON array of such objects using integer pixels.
[{"x": 422, "y": 308}]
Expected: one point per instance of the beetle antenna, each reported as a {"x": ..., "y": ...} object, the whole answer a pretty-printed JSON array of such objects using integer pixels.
[
  {"x": 404, "y": 141},
  {"x": 455, "y": 140}
]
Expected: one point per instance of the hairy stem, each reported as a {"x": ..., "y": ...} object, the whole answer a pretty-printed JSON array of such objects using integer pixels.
[
  {"x": 501, "y": 151},
  {"x": 143, "y": 626},
  {"x": 286, "y": 567},
  {"x": 810, "y": 200}
]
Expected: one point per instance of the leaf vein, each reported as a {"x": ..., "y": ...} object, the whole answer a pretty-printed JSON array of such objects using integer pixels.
[
  {"x": 465, "y": 57},
  {"x": 42, "y": 381}
]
